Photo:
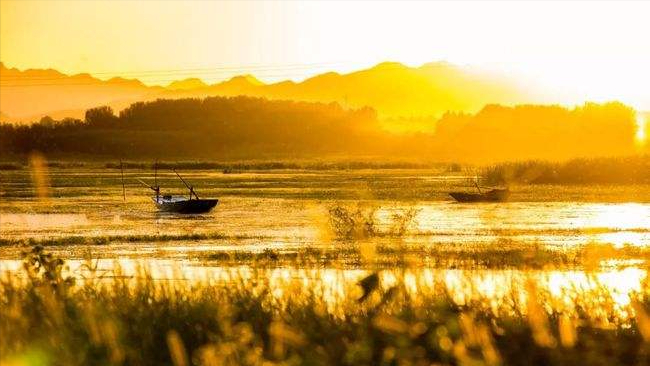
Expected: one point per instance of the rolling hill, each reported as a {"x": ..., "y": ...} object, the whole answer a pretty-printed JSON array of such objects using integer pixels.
[
  {"x": 391, "y": 88},
  {"x": 30, "y": 94}
]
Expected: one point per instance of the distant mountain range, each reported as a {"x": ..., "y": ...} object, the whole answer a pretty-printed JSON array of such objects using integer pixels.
[
  {"x": 393, "y": 89},
  {"x": 30, "y": 94}
]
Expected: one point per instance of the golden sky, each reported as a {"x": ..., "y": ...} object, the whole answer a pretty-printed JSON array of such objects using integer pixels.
[{"x": 585, "y": 50}]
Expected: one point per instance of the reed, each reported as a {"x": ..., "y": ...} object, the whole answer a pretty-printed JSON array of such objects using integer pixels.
[
  {"x": 47, "y": 318},
  {"x": 611, "y": 170}
]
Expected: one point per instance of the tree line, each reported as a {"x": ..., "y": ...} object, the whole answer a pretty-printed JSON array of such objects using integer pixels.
[{"x": 247, "y": 127}]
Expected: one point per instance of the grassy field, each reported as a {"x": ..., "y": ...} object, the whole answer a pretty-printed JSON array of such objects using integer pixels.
[{"x": 48, "y": 319}]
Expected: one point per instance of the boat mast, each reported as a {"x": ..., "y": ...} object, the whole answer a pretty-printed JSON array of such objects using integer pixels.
[
  {"x": 155, "y": 179},
  {"x": 122, "y": 173},
  {"x": 187, "y": 185},
  {"x": 477, "y": 186}
]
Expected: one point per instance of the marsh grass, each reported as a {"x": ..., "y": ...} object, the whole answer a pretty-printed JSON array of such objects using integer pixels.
[
  {"x": 502, "y": 254},
  {"x": 11, "y": 166},
  {"x": 108, "y": 239},
  {"x": 238, "y": 166},
  {"x": 360, "y": 222},
  {"x": 614, "y": 170},
  {"x": 47, "y": 319}
]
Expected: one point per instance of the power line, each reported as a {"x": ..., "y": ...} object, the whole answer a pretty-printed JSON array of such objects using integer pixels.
[
  {"x": 156, "y": 81},
  {"x": 172, "y": 72},
  {"x": 127, "y": 81}
]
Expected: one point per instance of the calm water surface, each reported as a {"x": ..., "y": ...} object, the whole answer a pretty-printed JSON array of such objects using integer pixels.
[{"x": 288, "y": 211}]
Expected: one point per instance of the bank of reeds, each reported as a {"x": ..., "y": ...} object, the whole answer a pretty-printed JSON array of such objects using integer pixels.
[
  {"x": 108, "y": 239},
  {"x": 273, "y": 165},
  {"x": 621, "y": 170},
  {"x": 47, "y": 319}
]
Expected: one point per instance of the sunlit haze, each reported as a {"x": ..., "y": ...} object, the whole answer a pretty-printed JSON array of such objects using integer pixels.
[
  {"x": 579, "y": 50},
  {"x": 324, "y": 183}
]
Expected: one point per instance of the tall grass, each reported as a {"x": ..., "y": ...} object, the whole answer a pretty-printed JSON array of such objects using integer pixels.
[
  {"x": 634, "y": 169},
  {"x": 48, "y": 319}
]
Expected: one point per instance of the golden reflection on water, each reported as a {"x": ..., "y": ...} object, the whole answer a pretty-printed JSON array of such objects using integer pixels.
[
  {"x": 568, "y": 223},
  {"x": 14, "y": 221},
  {"x": 632, "y": 219},
  {"x": 605, "y": 295}
]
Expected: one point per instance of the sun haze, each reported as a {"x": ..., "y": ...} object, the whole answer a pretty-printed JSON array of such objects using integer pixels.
[
  {"x": 580, "y": 50},
  {"x": 324, "y": 183}
]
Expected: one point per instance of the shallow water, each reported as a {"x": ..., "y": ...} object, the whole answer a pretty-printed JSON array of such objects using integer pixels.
[{"x": 288, "y": 211}]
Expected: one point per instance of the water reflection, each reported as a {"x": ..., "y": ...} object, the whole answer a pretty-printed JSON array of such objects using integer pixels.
[
  {"x": 604, "y": 295},
  {"x": 556, "y": 223}
]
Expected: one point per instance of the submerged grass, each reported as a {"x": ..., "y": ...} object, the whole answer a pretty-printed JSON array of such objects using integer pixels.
[
  {"x": 502, "y": 254},
  {"x": 101, "y": 240},
  {"x": 392, "y": 251},
  {"x": 361, "y": 222},
  {"x": 48, "y": 319}
]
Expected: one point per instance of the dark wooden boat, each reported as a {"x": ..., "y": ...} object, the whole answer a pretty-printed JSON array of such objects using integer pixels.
[
  {"x": 181, "y": 204},
  {"x": 493, "y": 195}
]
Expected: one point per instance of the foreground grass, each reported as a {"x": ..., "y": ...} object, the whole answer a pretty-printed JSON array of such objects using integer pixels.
[
  {"x": 108, "y": 239},
  {"x": 47, "y": 319}
]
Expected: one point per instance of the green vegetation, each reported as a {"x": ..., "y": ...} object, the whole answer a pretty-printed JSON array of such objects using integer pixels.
[{"x": 47, "y": 318}]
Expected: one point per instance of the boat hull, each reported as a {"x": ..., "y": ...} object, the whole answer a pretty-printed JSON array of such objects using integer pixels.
[
  {"x": 495, "y": 195},
  {"x": 187, "y": 206}
]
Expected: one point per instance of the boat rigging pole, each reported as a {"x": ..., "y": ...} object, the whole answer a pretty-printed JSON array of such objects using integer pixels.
[
  {"x": 477, "y": 186},
  {"x": 123, "y": 189},
  {"x": 155, "y": 179},
  {"x": 187, "y": 185}
]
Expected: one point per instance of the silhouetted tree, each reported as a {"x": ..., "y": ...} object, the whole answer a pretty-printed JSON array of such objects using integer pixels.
[
  {"x": 256, "y": 127},
  {"x": 101, "y": 117}
]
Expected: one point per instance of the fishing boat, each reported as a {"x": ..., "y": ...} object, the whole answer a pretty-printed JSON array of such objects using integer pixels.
[
  {"x": 180, "y": 204},
  {"x": 491, "y": 195}
]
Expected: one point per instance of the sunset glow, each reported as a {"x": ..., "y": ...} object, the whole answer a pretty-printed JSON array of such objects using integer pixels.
[
  {"x": 282, "y": 182},
  {"x": 597, "y": 54},
  {"x": 641, "y": 128}
]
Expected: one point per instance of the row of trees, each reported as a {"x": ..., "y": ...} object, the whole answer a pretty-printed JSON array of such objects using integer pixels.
[
  {"x": 245, "y": 127},
  {"x": 211, "y": 127},
  {"x": 499, "y": 133}
]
